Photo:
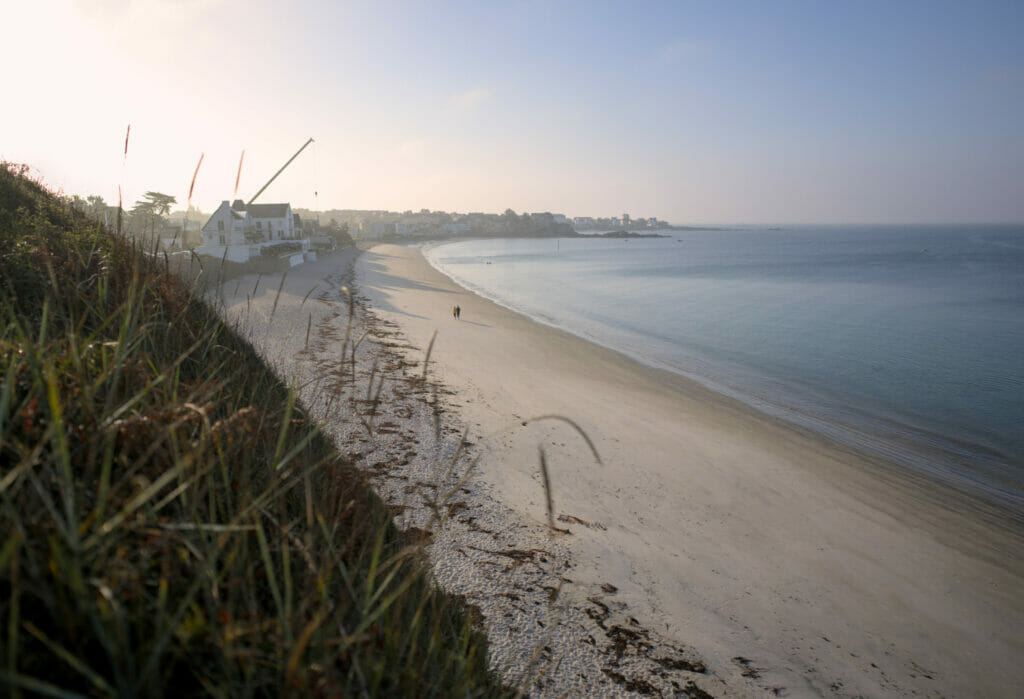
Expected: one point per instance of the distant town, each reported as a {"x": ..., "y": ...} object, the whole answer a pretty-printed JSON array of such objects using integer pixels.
[
  {"x": 238, "y": 230},
  {"x": 380, "y": 225}
]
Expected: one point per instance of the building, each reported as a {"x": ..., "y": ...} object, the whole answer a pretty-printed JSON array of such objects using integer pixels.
[
  {"x": 238, "y": 231},
  {"x": 271, "y": 221},
  {"x": 372, "y": 230}
]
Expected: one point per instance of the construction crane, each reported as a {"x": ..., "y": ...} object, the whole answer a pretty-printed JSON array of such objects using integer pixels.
[{"x": 279, "y": 171}]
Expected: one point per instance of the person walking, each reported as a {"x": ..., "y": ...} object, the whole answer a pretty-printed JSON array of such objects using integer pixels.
[{"x": 458, "y": 312}]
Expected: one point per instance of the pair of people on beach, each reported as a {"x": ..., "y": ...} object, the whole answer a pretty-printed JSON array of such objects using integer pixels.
[{"x": 456, "y": 312}]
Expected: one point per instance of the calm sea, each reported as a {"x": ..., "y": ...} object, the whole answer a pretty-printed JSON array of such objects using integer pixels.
[{"x": 905, "y": 341}]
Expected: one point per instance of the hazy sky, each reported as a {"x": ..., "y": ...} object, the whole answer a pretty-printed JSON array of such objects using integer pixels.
[{"x": 831, "y": 111}]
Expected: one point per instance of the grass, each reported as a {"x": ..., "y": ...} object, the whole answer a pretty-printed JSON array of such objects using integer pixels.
[{"x": 170, "y": 520}]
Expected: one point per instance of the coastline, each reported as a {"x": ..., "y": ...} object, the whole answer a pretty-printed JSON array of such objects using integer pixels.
[
  {"x": 964, "y": 460},
  {"x": 719, "y": 516},
  {"x": 402, "y": 429},
  {"x": 765, "y": 556}
]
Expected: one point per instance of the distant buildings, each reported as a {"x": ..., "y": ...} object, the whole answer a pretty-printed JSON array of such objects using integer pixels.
[
  {"x": 236, "y": 225},
  {"x": 378, "y": 225},
  {"x": 588, "y": 223}
]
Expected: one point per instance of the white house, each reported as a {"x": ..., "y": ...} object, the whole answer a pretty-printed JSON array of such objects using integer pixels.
[
  {"x": 239, "y": 231},
  {"x": 272, "y": 221},
  {"x": 227, "y": 226}
]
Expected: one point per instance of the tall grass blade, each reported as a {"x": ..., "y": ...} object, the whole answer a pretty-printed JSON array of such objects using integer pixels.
[
  {"x": 284, "y": 429},
  {"x": 277, "y": 297},
  {"x": 238, "y": 177},
  {"x": 430, "y": 348},
  {"x": 53, "y": 398},
  {"x": 268, "y": 570},
  {"x": 77, "y": 664},
  {"x": 192, "y": 186},
  {"x": 547, "y": 488},
  {"x": 304, "y": 298},
  {"x": 10, "y": 557},
  {"x": 43, "y": 689},
  {"x": 579, "y": 430}
]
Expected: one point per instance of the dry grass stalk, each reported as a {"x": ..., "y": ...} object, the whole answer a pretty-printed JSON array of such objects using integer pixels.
[
  {"x": 579, "y": 430},
  {"x": 549, "y": 501},
  {"x": 307, "y": 296},
  {"x": 192, "y": 186},
  {"x": 426, "y": 359},
  {"x": 277, "y": 297},
  {"x": 238, "y": 177}
]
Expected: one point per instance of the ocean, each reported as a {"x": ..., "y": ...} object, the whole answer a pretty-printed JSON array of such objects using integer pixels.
[{"x": 906, "y": 342}]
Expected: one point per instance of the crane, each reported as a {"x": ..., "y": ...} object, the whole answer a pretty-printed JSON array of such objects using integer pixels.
[{"x": 279, "y": 171}]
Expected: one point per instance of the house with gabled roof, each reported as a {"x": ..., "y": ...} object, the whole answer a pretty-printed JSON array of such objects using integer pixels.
[
  {"x": 272, "y": 221},
  {"x": 238, "y": 230}
]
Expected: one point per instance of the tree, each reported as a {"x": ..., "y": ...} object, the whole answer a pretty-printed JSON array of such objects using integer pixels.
[
  {"x": 340, "y": 233},
  {"x": 97, "y": 207},
  {"x": 149, "y": 211},
  {"x": 161, "y": 202}
]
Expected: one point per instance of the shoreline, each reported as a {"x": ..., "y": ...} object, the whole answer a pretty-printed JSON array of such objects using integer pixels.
[
  {"x": 713, "y": 546},
  {"x": 856, "y": 543},
  {"x": 891, "y": 441},
  {"x": 511, "y": 572},
  {"x": 920, "y": 482}
]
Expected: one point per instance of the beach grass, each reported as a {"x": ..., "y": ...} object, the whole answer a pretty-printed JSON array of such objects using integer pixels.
[{"x": 171, "y": 522}]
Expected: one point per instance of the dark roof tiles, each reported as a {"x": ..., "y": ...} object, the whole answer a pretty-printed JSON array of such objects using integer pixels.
[{"x": 268, "y": 210}]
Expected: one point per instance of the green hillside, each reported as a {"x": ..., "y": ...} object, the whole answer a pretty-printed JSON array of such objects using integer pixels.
[{"x": 170, "y": 521}]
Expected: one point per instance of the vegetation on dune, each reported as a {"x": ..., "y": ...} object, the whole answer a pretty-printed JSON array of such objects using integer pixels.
[{"x": 170, "y": 521}]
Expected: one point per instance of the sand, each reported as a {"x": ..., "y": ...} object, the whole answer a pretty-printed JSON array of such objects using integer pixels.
[{"x": 712, "y": 547}]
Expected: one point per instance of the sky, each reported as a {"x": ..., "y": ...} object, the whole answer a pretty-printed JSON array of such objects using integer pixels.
[{"x": 837, "y": 111}]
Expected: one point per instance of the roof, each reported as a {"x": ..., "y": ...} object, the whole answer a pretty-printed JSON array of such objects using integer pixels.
[{"x": 268, "y": 210}]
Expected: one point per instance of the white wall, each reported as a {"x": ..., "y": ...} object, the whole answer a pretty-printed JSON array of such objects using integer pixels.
[
  {"x": 276, "y": 228},
  {"x": 233, "y": 230}
]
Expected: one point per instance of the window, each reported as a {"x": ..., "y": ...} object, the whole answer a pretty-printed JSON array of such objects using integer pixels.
[{"x": 220, "y": 226}]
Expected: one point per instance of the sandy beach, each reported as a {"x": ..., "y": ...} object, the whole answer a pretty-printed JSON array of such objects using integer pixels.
[{"x": 712, "y": 548}]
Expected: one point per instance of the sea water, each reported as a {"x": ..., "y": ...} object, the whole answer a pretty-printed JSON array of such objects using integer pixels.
[{"x": 903, "y": 341}]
